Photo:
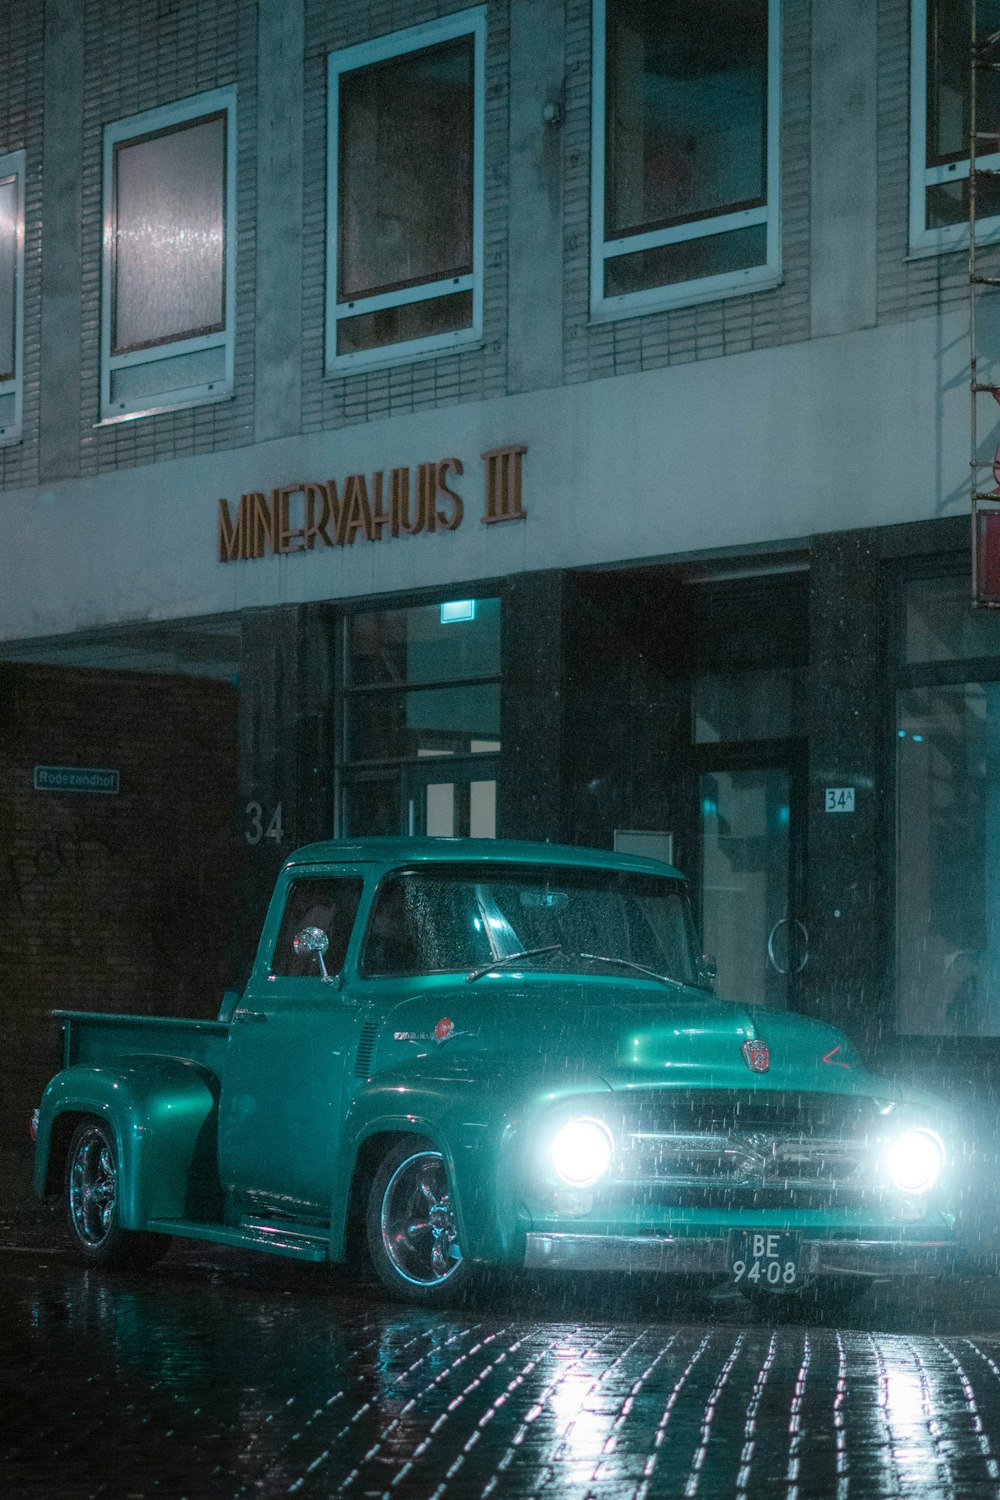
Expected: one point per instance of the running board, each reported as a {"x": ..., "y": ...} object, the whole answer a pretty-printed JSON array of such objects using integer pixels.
[{"x": 301, "y": 1242}]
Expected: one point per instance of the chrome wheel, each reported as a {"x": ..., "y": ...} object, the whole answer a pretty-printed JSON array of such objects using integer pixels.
[
  {"x": 93, "y": 1183},
  {"x": 93, "y": 1186},
  {"x": 417, "y": 1222}
]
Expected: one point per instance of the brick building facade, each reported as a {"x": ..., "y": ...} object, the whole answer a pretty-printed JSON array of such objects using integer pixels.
[{"x": 667, "y": 411}]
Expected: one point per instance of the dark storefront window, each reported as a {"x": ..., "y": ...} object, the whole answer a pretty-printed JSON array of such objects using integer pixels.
[
  {"x": 761, "y": 704},
  {"x": 421, "y": 717},
  {"x": 948, "y": 813}
]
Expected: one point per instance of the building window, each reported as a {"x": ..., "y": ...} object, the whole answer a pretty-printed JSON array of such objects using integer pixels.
[
  {"x": 685, "y": 152},
  {"x": 168, "y": 292},
  {"x": 940, "y": 97},
  {"x": 947, "y": 740},
  {"x": 421, "y": 720},
  {"x": 405, "y": 193},
  {"x": 11, "y": 295}
]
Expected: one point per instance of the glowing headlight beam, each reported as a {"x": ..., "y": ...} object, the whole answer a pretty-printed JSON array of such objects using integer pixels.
[
  {"x": 914, "y": 1160},
  {"x": 581, "y": 1152}
]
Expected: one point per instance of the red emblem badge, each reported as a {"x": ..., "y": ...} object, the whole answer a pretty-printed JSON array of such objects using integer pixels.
[
  {"x": 443, "y": 1029},
  {"x": 757, "y": 1056}
]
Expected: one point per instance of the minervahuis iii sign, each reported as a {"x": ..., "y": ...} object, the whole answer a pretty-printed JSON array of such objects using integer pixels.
[{"x": 368, "y": 507}]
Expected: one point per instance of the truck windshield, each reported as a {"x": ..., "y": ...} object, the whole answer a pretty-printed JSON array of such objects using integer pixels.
[{"x": 461, "y": 917}]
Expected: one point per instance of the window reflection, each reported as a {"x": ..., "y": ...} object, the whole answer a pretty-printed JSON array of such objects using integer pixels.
[
  {"x": 169, "y": 269},
  {"x": 948, "y": 860}
]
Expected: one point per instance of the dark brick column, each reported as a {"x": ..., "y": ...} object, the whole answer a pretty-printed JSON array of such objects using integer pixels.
[
  {"x": 529, "y": 800},
  {"x": 846, "y": 900}
]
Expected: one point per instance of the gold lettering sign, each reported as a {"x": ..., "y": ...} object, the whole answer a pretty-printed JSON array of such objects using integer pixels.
[{"x": 373, "y": 507}]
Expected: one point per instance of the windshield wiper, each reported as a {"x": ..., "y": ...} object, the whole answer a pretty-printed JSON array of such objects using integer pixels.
[
  {"x": 629, "y": 963},
  {"x": 511, "y": 958}
]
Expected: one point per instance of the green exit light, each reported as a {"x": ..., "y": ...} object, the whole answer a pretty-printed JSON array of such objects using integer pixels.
[{"x": 458, "y": 609}]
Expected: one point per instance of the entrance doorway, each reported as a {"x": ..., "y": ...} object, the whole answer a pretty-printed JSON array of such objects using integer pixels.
[
  {"x": 748, "y": 827},
  {"x": 451, "y": 800}
]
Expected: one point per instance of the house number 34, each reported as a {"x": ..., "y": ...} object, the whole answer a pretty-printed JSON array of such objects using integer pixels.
[{"x": 260, "y": 827}]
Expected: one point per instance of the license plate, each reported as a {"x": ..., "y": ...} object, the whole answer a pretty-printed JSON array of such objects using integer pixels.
[{"x": 759, "y": 1257}]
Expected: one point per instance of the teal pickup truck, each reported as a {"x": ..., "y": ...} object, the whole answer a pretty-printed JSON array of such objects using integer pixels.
[{"x": 456, "y": 1054}]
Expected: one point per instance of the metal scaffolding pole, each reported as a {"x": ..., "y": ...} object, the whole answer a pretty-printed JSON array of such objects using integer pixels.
[{"x": 984, "y": 57}]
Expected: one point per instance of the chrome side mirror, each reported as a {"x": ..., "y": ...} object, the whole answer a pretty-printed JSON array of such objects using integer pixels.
[
  {"x": 312, "y": 940},
  {"x": 707, "y": 969}
]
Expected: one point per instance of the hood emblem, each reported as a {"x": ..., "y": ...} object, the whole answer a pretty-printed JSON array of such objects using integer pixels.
[
  {"x": 757, "y": 1056},
  {"x": 443, "y": 1032}
]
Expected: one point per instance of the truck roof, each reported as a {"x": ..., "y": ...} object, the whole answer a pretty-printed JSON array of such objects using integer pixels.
[{"x": 406, "y": 851}]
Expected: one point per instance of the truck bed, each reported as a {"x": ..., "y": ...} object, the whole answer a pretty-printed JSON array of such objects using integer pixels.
[{"x": 96, "y": 1036}]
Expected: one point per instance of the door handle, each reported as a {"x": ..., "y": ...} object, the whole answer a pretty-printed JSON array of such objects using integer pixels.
[
  {"x": 249, "y": 1015},
  {"x": 782, "y": 922}
]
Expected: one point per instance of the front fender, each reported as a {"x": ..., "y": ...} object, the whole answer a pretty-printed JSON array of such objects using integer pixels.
[
  {"x": 482, "y": 1127},
  {"x": 163, "y": 1112},
  {"x": 467, "y": 1131}
]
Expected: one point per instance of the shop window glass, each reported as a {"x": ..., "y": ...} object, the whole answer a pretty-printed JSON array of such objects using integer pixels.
[
  {"x": 685, "y": 149},
  {"x": 421, "y": 720},
  {"x": 423, "y": 645},
  {"x": 405, "y": 192},
  {"x": 752, "y": 705},
  {"x": 431, "y": 721},
  {"x": 169, "y": 256},
  {"x": 948, "y": 860},
  {"x": 373, "y": 808},
  {"x": 11, "y": 293},
  {"x": 940, "y": 121},
  {"x": 940, "y": 626}
]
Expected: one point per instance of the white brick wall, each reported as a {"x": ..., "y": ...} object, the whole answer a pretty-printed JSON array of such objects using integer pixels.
[
  {"x": 21, "y": 51},
  {"x": 139, "y": 54}
]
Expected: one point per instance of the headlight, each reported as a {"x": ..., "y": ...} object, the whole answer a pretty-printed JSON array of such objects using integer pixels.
[
  {"x": 915, "y": 1160},
  {"x": 581, "y": 1152}
]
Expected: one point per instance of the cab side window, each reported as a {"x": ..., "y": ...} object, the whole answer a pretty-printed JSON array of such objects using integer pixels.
[{"x": 328, "y": 902}]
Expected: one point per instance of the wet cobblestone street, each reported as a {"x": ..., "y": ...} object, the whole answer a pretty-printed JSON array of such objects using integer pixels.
[{"x": 221, "y": 1376}]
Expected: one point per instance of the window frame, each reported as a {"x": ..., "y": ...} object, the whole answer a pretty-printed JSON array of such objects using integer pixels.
[
  {"x": 163, "y": 120},
  {"x": 472, "y": 23},
  {"x": 924, "y": 241},
  {"x": 315, "y": 875},
  {"x": 13, "y": 167},
  {"x": 706, "y": 288}
]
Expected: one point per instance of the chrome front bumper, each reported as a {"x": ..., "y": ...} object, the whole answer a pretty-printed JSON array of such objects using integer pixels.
[{"x": 704, "y": 1256}]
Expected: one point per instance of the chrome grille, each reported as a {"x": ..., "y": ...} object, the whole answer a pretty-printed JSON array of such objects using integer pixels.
[
  {"x": 754, "y": 1148},
  {"x": 755, "y": 1159}
]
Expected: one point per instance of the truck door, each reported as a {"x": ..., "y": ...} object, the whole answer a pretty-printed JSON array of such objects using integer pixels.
[{"x": 290, "y": 1040}]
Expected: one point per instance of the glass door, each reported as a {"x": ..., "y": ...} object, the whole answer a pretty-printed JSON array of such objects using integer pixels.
[
  {"x": 747, "y": 875},
  {"x": 451, "y": 800}
]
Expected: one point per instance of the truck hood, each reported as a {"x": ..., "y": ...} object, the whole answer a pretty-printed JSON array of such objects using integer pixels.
[{"x": 627, "y": 1035}]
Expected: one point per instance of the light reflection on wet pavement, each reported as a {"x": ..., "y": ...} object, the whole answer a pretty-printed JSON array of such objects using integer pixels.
[{"x": 223, "y": 1378}]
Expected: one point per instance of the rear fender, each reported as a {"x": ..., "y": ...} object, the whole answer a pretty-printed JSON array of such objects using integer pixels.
[{"x": 163, "y": 1112}]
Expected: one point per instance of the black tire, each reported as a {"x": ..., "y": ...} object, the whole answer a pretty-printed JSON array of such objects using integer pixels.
[
  {"x": 92, "y": 1204},
  {"x": 411, "y": 1227}
]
